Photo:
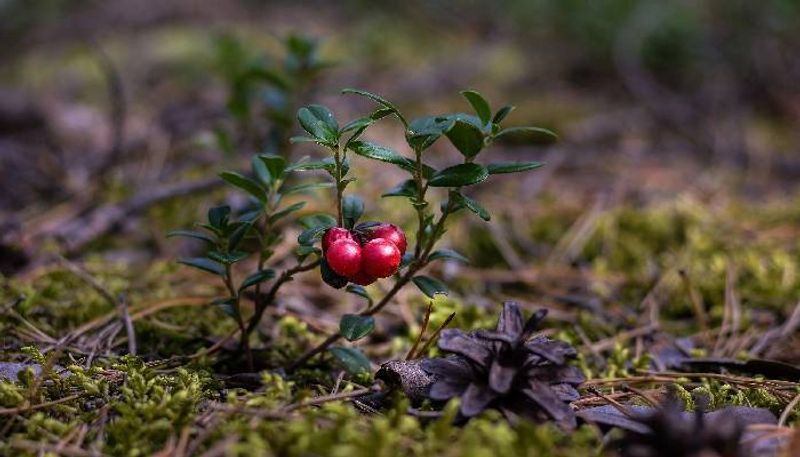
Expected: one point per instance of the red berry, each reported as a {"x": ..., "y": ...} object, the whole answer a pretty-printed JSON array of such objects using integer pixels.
[
  {"x": 389, "y": 232},
  {"x": 344, "y": 257},
  {"x": 363, "y": 279},
  {"x": 380, "y": 258},
  {"x": 334, "y": 234}
]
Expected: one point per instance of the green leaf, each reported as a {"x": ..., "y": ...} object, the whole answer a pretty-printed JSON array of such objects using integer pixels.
[
  {"x": 317, "y": 220},
  {"x": 252, "y": 214},
  {"x": 301, "y": 188},
  {"x": 429, "y": 286},
  {"x": 218, "y": 216},
  {"x": 256, "y": 278},
  {"x": 363, "y": 122},
  {"x": 464, "y": 174},
  {"x": 318, "y": 121},
  {"x": 384, "y": 154},
  {"x": 246, "y": 184},
  {"x": 512, "y": 167},
  {"x": 352, "y": 209},
  {"x": 361, "y": 291},
  {"x": 204, "y": 264},
  {"x": 228, "y": 258},
  {"x": 378, "y": 99},
  {"x": 352, "y": 359},
  {"x": 479, "y": 104},
  {"x": 260, "y": 171},
  {"x": 424, "y": 131},
  {"x": 304, "y": 251},
  {"x": 447, "y": 254},
  {"x": 502, "y": 113},
  {"x": 360, "y": 125},
  {"x": 406, "y": 188},
  {"x": 238, "y": 233},
  {"x": 193, "y": 234},
  {"x": 311, "y": 235},
  {"x": 466, "y": 137},
  {"x": 473, "y": 206},
  {"x": 324, "y": 164},
  {"x": 354, "y": 327},
  {"x": 330, "y": 277},
  {"x": 286, "y": 211},
  {"x": 275, "y": 165},
  {"x": 315, "y": 226},
  {"x": 304, "y": 139},
  {"x": 228, "y": 305},
  {"x": 532, "y": 135}
]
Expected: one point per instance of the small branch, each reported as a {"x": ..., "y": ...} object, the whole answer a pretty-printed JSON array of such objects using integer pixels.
[
  {"x": 436, "y": 334},
  {"x": 261, "y": 304},
  {"x": 788, "y": 410},
  {"x": 329, "y": 398},
  {"x": 79, "y": 232},
  {"x": 87, "y": 277},
  {"x": 244, "y": 342},
  {"x": 338, "y": 160},
  {"x": 122, "y": 306},
  {"x": 696, "y": 300},
  {"x": 23, "y": 409},
  {"x": 619, "y": 406},
  {"x": 422, "y": 330},
  {"x": 421, "y": 189}
]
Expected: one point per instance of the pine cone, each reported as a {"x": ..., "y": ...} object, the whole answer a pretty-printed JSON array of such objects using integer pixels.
[
  {"x": 507, "y": 370},
  {"x": 672, "y": 434}
]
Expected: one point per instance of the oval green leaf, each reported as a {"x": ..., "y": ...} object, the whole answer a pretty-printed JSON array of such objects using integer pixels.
[
  {"x": 512, "y": 167},
  {"x": 447, "y": 254},
  {"x": 352, "y": 359},
  {"x": 430, "y": 286},
  {"x": 466, "y": 137},
  {"x": 318, "y": 121},
  {"x": 465, "y": 174},
  {"x": 354, "y": 327},
  {"x": 246, "y": 184},
  {"x": 257, "y": 278},
  {"x": 204, "y": 264},
  {"x": 479, "y": 104},
  {"x": 527, "y": 135}
]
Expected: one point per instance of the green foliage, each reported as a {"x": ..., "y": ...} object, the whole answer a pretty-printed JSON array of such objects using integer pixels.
[
  {"x": 151, "y": 407},
  {"x": 337, "y": 429},
  {"x": 262, "y": 86},
  {"x": 353, "y": 327}
]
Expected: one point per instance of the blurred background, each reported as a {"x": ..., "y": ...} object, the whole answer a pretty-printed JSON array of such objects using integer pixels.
[{"x": 679, "y": 126}]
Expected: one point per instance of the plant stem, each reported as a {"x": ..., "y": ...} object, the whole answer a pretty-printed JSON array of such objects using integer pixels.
[
  {"x": 338, "y": 159},
  {"x": 367, "y": 312},
  {"x": 261, "y": 304},
  {"x": 244, "y": 342},
  {"x": 421, "y": 189}
]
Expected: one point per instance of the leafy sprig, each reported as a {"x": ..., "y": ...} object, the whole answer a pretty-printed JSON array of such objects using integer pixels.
[
  {"x": 258, "y": 222},
  {"x": 470, "y": 134}
]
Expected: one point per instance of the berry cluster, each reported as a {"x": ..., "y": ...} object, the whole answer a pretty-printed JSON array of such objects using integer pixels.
[{"x": 362, "y": 255}]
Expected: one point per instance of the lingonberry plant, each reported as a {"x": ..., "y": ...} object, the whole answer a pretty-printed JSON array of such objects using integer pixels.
[
  {"x": 361, "y": 253},
  {"x": 254, "y": 232},
  {"x": 352, "y": 254},
  {"x": 264, "y": 87}
]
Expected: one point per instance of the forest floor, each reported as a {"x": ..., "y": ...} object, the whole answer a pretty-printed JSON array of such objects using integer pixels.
[{"x": 665, "y": 270}]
